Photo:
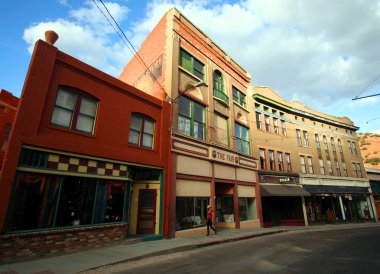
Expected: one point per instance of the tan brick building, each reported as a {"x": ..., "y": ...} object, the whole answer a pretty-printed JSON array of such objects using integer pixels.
[
  {"x": 298, "y": 147},
  {"x": 211, "y": 150}
]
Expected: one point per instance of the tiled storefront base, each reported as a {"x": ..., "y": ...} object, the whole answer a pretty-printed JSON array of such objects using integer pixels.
[{"x": 24, "y": 246}]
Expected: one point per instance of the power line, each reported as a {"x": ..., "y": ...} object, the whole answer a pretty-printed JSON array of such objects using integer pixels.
[
  {"x": 126, "y": 38},
  {"x": 370, "y": 84}
]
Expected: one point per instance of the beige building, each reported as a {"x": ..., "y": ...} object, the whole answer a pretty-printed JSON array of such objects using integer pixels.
[
  {"x": 311, "y": 170},
  {"x": 211, "y": 146}
]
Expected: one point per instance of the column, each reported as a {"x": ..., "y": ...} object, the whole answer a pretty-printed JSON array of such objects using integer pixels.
[
  {"x": 304, "y": 210},
  {"x": 342, "y": 208}
]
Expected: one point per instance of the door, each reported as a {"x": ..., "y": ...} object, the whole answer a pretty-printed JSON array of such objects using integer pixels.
[{"x": 146, "y": 217}]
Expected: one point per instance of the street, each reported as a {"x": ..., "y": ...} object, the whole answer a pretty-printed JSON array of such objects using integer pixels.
[{"x": 331, "y": 251}]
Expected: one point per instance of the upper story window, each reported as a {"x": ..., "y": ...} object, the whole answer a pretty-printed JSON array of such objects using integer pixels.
[
  {"x": 288, "y": 162},
  {"x": 329, "y": 167},
  {"x": 191, "y": 120},
  {"x": 359, "y": 170},
  {"x": 337, "y": 168},
  {"x": 316, "y": 137},
  {"x": 310, "y": 165},
  {"x": 354, "y": 170},
  {"x": 283, "y": 128},
  {"x": 344, "y": 168},
  {"x": 340, "y": 146},
  {"x": 221, "y": 129},
  {"x": 332, "y": 144},
  {"x": 354, "y": 148},
  {"x": 75, "y": 111},
  {"x": 191, "y": 64},
  {"x": 280, "y": 161},
  {"x": 239, "y": 97},
  {"x": 321, "y": 166},
  {"x": 141, "y": 131},
  {"x": 263, "y": 160},
  {"x": 272, "y": 163},
  {"x": 219, "y": 90},
  {"x": 259, "y": 124},
  {"x": 242, "y": 138},
  {"x": 305, "y": 139},
  {"x": 349, "y": 146},
  {"x": 303, "y": 164},
  {"x": 275, "y": 125},
  {"x": 299, "y": 141},
  {"x": 325, "y": 143},
  {"x": 267, "y": 123}
]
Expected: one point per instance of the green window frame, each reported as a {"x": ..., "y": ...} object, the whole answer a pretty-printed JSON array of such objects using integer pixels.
[
  {"x": 191, "y": 118},
  {"x": 239, "y": 97},
  {"x": 242, "y": 138},
  {"x": 191, "y": 64},
  {"x": 219, "y": 89}
]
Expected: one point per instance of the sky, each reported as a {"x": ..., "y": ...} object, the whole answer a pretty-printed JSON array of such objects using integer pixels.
[{"x": 322, "y": 53}]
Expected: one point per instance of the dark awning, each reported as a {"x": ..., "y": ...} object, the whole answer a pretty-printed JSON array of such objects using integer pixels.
[
  {"x": 282, "y": 190},
  {"x": 317, "y": 189}
]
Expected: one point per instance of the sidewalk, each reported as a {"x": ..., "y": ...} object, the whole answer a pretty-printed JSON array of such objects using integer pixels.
[{"x": 81, "y": 261}]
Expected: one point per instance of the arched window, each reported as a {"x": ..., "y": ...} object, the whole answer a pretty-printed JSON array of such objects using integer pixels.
[{"x": 219, "y": 91}]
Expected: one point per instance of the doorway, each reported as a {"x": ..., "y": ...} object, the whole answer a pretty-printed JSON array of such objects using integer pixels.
[{"x": 146, "y": 217}]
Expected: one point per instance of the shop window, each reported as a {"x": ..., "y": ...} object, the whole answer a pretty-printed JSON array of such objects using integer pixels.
[
  {"x": 191, "y": 212},
  {"x": 191, "y": 64},
  {"x": 224, "y": 209},
  {"x": 141, "y": 131},
  {"x": 239, "y": 97},
  {"x": 242, "y": 138},
  {"x": 263, "y": 161},
  {"x": 288, "y": 163},
  {"x": 247, "y": 209},
  {"x": 219, "y": 89},
  {"x": 42, "y": 201},
  {"x": 191, "y": 120},
  {"x": 75, "y": 111}
]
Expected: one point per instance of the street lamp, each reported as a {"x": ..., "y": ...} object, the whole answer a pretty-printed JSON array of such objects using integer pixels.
[{"x": 191, "y": 86}]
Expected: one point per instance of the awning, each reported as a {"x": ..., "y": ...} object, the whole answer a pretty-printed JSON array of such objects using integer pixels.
[
  {"x": 282, "y": 190},
  {"x": 318, "y": 189}
]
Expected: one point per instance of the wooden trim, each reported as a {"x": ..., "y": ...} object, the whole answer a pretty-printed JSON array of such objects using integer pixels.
[{"x": 193, "y": 177}]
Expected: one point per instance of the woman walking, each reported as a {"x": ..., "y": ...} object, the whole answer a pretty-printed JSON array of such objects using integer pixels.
[{"x": 210, "y": 217}]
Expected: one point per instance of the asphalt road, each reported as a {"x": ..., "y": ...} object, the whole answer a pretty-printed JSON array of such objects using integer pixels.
[{"x": 323, "y": 252}]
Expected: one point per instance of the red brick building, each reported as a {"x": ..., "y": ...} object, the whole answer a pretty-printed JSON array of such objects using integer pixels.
[
  {"x": 87, "y": 162},
  {"x": 8, "y": 107}
]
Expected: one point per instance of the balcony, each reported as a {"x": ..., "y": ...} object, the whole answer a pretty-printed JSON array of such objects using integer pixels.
[{"x": 222, "y": 96}]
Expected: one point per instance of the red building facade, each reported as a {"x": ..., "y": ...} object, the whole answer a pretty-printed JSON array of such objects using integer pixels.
[
  {"x": 87, "y": 162},
  {"x": 8, "y": 107}
]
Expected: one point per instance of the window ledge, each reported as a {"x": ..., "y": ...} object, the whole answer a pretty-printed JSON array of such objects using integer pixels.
[
  {"x": 245, "y": 108},
  {"x": 71, "y": 131}
]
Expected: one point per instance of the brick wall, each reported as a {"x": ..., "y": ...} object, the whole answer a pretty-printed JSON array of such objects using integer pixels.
[{"x": 40, "y": 244}]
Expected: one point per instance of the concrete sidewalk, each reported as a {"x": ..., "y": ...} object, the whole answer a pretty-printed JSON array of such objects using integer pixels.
[{"x": 81, "y": 261}]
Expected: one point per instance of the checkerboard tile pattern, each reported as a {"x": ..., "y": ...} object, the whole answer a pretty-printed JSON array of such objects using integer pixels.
[{"x": 81, "y": 165}]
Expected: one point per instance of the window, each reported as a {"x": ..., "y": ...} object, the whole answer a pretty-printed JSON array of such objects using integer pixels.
[
  {"x": 258, "y": 120},
  {"x": 221, "y": 130},
  {"x": 288, "y": 163},
  {"x": 325, "y": 146},
  {"x": 359, "y": 170},
  {"x": 272, "y": 163},
  {"x": 283, "y": 128},
  {"x": 191, "y": 64},
  {"x": 275, "y": 125},
  {"x": 310, "y": 165},
  {"x": 329, "y": 167},
  {"x": 74, "y": 111},
  {"x": 224, "y": 211},
  {"x": 316, "y": 137},
  {"x": 191, "y": 212},
  {"x": 354, "y": 170},
  {"x": 354, "y": 148},
  {"x": 263, "y": 160},
  {"x": 299, "y": 141},
  {"x": 305, "y": 139},
  {"x": 247, "y": 209},
  {"x": 191, "y": 120},
  {"x": 340, "y": 146},
  {"x": 242, "y": 138},
  {"x": 219, "y": 90},
  {"x": 321, "y": 166},
  {"x": 239, "y": 97},
  {"x": 332, "y": 144},
  {"x": 303, "y": 164},
  {"x": 280, "y": 161},
  {"x": 344, "y": 168},
  {"x": 267, "y": 123},
  {"x": 349, "y": 146},
  {"x": 337, "y": 168},
  {"x": 141, "y": 131},
  {"x": 54, "y": 201}
]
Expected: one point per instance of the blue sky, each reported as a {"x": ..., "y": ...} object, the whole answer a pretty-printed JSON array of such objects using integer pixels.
[{"x": 322, "y": 53}]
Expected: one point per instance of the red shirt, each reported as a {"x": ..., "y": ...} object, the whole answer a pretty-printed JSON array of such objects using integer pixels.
[{"x": 210, "y": 214}]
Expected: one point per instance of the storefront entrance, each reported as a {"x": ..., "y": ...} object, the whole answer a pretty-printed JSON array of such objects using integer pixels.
[{"x": 146, "y": 218}]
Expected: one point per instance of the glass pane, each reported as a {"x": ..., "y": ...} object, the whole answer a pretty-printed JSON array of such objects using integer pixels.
[
  {"x": 61, "y": 117},
  {"x": 85, "y": 123},
  {"x": 246, "y": 147},
  {"x": 198, "y": 112},
  {"x": 184, "y": 106},
  {"x": 148, "y": 140},
  {"x": 186, "y": 61},
  {"x": 184, "y": 213},
  {"x": 134, "y": 137},
  {"x": 184, "y": 125},
  {"x": 66, "y": 99},
  {"x": 149, "y": 126},
  {"x": 88, "y": 107},
  {"x": 136, "y": 122},
  {"x": 198, "y": 130},
  {"x": 198, "y": 69},
  {"x": 109, "y": 202}
]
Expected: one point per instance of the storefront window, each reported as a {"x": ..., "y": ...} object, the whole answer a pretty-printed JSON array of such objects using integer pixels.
[
  {"x": 42, "y": 201},
  {"x": 247, "y": 209},
  {"x": 191, "y": 212},
  {"x": 225, "y": 209}
]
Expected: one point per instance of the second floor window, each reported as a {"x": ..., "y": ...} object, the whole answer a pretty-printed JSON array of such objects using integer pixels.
[
  {"x": 272, "y": 163},
  {"x": 305, "y": 139},
  {"x": 191, "y": 120},
  {"x": 340, "y": 146},
  {"x": 329, "y": 167},
  {"x": 280, "y": 161},
  {"x": 191, "y": 64},
  {"x": 303, "y": 164},
  {"x": 354, "y": 148},
  {"x": 344, "y": 168},
  {"x": 349, "y": 146},
  {"x": 263, "y": 161},
  {"x": 242, "y": 138},
  {"x": 337, "y": 168},
  {"x": 325, "y": 143},
  {"x": 288, "y": 163},
  {"x": 141, "y": 131},
  {"x": 74, "y": 111},
  {"x": 332, "y": 144},
  {"x": 316, "y": 137},
  {"x": 299, "y": 141},
  {"x": 359, "y": 170},
  {"x": 239, "y": 97},
  {"x": 310, "y": 165},
  {"x": 321, "y": 166}
]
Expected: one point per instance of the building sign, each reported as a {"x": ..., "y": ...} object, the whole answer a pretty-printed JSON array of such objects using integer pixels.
[
  {"x": 278, "y": 179},
  {"x": 284, "y": 180},
  {"x": 224, "y": 156}
]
